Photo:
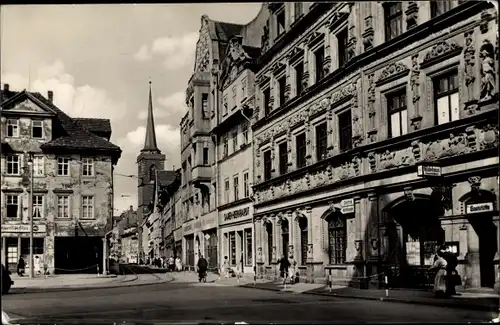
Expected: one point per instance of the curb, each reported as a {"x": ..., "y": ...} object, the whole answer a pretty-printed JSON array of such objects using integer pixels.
[
  {"x": 71, "y": 288},
  {"x": 440, "y": 303}
]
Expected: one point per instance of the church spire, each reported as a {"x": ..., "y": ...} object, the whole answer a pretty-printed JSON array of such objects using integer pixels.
[{"x": 150, "y": 140}]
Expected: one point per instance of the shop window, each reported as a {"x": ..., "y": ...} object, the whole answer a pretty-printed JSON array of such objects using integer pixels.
[
  {"x": 304, "y": 240},
  {"x": 398, "y": 114},
  {"x": 232, "y": 247},
  {"x": 393, "y": 13},
  {"x": 446, "y": 98},
  {"x": 337, "y": 238},
  {"x": 12, "y": 255},
  {"x": 248, "y": 247},
  {"x": 37, "y": 246}
]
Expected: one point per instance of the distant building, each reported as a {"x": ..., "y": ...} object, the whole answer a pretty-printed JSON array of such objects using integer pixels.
[{"x": 73, "y": 162}]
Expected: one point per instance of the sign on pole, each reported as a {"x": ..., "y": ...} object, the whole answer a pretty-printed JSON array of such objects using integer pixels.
[
  {"x": 347, "y": 202},
  {"x": 347, "y": 210}
]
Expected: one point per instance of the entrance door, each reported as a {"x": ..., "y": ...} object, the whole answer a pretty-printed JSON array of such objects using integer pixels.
[
  {"x": 486, "y": 232},
  {"x": 285, "y": 236},
  {"x": 190, "y": 250},
  {"x": 211, "y": 250}
]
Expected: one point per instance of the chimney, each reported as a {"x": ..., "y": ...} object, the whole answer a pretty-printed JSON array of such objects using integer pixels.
[
  {"x": 50, "y": 95},
  {"x": 6, "y": 87}
]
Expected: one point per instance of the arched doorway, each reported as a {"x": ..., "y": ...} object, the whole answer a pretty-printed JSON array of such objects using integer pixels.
[
  {"x": 304, "y": 239},
  {"x": 414, "y": 234},
  {"x": 474, "y": 205},
  {"x": 269, "y": 234},
  {"x": 285, "y": 237}
]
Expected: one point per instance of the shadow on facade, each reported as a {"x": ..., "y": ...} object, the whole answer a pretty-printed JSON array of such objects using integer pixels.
[{"x": 77, "y": 255}]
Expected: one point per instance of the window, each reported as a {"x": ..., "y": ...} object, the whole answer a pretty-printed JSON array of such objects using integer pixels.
[
  {"x": 225, "y": 106},
  {"x": 87, "y": 167},
  {"x": 396, "y": 107},
  {"x": 342, "y": 41},
  {"x": 226, "y": 191},
  {"x": 204, "y": 106},
  {"x": 62, "y": 166},
  {"x": 236, "y": 187},
  {"x": 304, "y": 240},
  {"x": 37, "y": 246},
  {"x": 152, "y": 171},
  {"x": 319, "y": 58},
  {"x": 235, "y": 140},
  {"x": 205, "y": 156},
  {"x": 232, "y": 247},
  {"x": 280, "y": 19},
  {"x": 268, "y": 165},
  {"x": 283, "y": 154},
  {"x": 13, "y": 165},
  {"x": 337, "y": 239},
  {"x": 300, "y": 145},
  {"x": 248, "y": 247},
  {"x": 38, "y": 166},
  {"x": 246, "y": 185},
  {"x": 244, "y": 88},
  {"x": 87, "y": 207},
  {"x": 245, "y": 134},
  {"x": 12, "y": 206},
  {"x": 440, "y": 7},
  {"x": 63, "y": 206},
  {"x": 12, "y": 256},
  {"x": 37, "y": 206},
  {"x": 345, "y": 130},
  {"x": 266, "y": 94},
  {"x": 446, "y": 94},
  {"x": 285, "y": 237},
  {"x": 393, "y": 13},
  {"x": 37, "y": 129},
  {"x": 269, "y": 231},
  {"x": 321, "y": 141},
  {"x": 12, "y": 128},
  {"x": 226, "y": 146},
  {"x": 297, "y": 7},
  {"x": 282, "y": 87},
  {"x": 299, "y": 74}
]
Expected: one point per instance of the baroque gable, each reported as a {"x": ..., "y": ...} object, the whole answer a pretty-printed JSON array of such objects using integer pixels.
[
  {"x": 203, "y": 57},
  {"x": 24, "y": 104},
  {"x": 234, "y": 60}
]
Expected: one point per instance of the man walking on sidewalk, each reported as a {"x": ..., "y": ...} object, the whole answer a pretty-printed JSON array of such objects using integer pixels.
[{"x": 284, "y": 265}]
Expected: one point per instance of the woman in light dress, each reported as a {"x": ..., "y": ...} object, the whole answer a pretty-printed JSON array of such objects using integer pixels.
[
  {"x": 440, "y": 277},
  {"x": 178, "y": 264}
]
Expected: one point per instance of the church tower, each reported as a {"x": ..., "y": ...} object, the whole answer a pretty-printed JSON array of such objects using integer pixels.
[{"x": 149, "y": 160}]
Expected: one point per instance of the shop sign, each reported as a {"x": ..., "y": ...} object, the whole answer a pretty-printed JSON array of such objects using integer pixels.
[
  {"x": 24, "y": 228},
  {"x": 347, "y": 203},
  {"x": 428, "y": 170},
  {"x": 236, "y": 214},
  {"x": 347, "y": 209},
  {"x": 477, "y": 208}
]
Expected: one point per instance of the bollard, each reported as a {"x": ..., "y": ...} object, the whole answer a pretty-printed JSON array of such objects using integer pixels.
[
  {"x": 386, "y": 286},
  {"x": 238, "y": 278}
]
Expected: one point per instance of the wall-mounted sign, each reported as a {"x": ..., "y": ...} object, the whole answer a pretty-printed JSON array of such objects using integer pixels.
[
  {"x": 475, "y": 208},
  {"x": 347, "y": 209},
  {"x": 24, "y": 228},
  {"x": 428, "y": 170},
  {"x": 236, "y": 214},
  {"x": 347, "y": 202}
]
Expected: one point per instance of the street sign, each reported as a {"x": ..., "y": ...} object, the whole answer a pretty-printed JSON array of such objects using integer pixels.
[
  {"x": 23, "y": 228},
  {"x": 428, "y": 170},
  {"x": 347, "y": 210},
  {"x": 207, "y": 236},
  {"x": 347, "y": 203},
  {"x": 479, "y": 207}
]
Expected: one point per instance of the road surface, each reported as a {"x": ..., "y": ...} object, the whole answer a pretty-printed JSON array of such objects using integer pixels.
[{"x": 212, "y": 302}]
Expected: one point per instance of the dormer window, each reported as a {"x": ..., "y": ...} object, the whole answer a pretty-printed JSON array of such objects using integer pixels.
[
  {"x": 12, "y": 128},
  {"x": 280, "y": 21},
  {"x": 37, "y": 129}
]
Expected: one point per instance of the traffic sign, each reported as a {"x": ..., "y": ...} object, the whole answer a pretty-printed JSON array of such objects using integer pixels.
[
  {"x": 207, "y": 236},
  {"x": 347, "y": 210},
  {"x": 347, "y": 202}
]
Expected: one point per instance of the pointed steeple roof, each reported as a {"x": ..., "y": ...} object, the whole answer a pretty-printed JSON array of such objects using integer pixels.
[{"x": 150, "y": 140}]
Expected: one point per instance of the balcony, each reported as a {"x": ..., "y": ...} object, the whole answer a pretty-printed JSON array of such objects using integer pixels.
[{"x": 201, "y": 176}]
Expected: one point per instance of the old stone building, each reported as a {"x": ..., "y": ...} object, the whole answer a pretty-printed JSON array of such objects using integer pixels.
[
  {"x": 169, "y": 200},
  {"x": 351, "y": 98},
  {"x": 72, "y": 163}
]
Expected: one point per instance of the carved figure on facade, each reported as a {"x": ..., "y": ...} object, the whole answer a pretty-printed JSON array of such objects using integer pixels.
[
  {"x": 415, "y": 89},
  {"x": 469, "y": 60},
  {"x": 394, "y": 69},
  {"x": 485, "y": 19},
  {"x": 346, "y": 171},
  {"x": 394, "y": 159},
  {"x": 411, "y": 15},
  {"x": 475, "y": 183},
  {"x": 488, "y": 82},
  {"x": 415, "y": 144},
  {"x": 372, "y": 161},
  {"x": 489, "y": 137},
  {"x": 351, "y": 45},
  {"x": 369, "y": 33},
  {"x": 441, "y": 49},
  {"x": 454, "y": 145},
  {"x": 264, "y": 41}
]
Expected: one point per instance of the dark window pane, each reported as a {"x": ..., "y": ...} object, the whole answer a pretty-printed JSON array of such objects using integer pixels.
[
  {"x": 267, "y": 165},
  {"x": 299, "y": 73},
  {"x": 283, "y": 153},
  {"x": 321, "y": 141},
  {"x": 319, "y": 59},
  {"x": 282, "y": 87},
  {"x": 300, "y": 143},
  {"x": 345, "y": 129}
]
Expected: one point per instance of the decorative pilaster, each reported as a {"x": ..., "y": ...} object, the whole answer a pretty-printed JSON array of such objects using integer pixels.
[
  {"x": 289, "y": 147},
  {"x": 306, "y": 74},
  {"x": 357, "y": 137},
  {"x": 275, "y": 238},
  {"x": 258, "y": 240},
  {"x": 258, "y": 170},
  {"x": 369, "y": 33},
  {"x": 274, "y": 161},
  {"x": 411, "y": 15},
  {"x": 351, "y": 44},
  {"x": 372, "y": 130},
  {"x": 310, "y": 255},
  {"x": 330, "y": 125},
  {"x": 327, "y": 63},
  {"x": 469, "y": 73},
  {"x": 288, "y": 86},
  {"x": 272, "y": 89},
  {"x": 309, "y": 145},
  {"x": 415, "y": 89},
  {"x": 291, "y": 232}
]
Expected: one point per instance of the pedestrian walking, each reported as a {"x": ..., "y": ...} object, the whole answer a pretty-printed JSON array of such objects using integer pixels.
[
  {"x": 178, "y": 264},
  {"x": 292, "y": 269},
  {"x": 284, "y": 266},
  {"x": 440, "y": 277},
  {"x": 225, "y": 267},
  {"x": 452, "y": 277},
  {"x": 21, "y": 265}
]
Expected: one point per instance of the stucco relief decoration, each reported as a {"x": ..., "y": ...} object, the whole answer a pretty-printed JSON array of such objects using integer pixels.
[
  {"x": 394, "y": 69},
  {"x": 343, "y": 93},
  {"x": 408, "y": 191},
  {"x": 411, "y": 15},
  {"x": 469, "y": 60},
  {"x": 394, "y": 159},
  {"x": 488, "y": 83},
  {"x": 351, "y": 45},
  {"x": 372, "y": 131},
  {"x": 441, "y": 49},
  {"x": 415, "y": 145},
  {"x": 453, "y": 146},
  {"x": 489, "y": 137},
  {"x": 475, "y": 183},
  {"x": 357, "y": 138},
  {"x": 415, "y": 89},
  {"x": 372, "y": 161},
  {"x": 264, "y": 40},
  {"x": 368, "y": 33}
]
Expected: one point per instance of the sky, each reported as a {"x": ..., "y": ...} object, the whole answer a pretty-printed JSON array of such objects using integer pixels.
[{"x": 98, "y": 60}]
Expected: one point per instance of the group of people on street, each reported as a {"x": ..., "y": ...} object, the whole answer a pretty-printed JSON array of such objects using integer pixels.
[
  {"x": 447, "y": 277},
  {"x": 288, "y": 269},
  {"x": 172, "y": 264},
  {"x": 38, "y": 266}
]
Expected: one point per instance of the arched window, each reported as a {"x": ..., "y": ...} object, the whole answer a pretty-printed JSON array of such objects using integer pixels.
[
  {"x": 337, "y": 238},
  {"x": 285, "y": 237},
  {"x": 303, "y": 240},
  {"x": 152, "y": 173},
  {"x": 269, "y": 231}
]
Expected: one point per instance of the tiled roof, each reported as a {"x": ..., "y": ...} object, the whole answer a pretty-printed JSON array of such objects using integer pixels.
[
  {"x": 225, "y": 31},
  {"x": 68, "y": 132},
  {"x": 166, "y": 177},
  {"x": 94, "y": 125}
]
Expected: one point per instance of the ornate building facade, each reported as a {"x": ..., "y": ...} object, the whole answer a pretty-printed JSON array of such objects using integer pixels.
[
  {"x": 72, "y": 162},
  {"x": 351, "y": 98}
]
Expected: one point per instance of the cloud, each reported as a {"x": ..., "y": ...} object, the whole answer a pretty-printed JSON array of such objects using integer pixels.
[
  {"x": 167, "y": 136},
  {"x": 143, "y": 54},
  {"x": 76, "y": 101},
  {"x": 171, "y": 105},
  {"x": 177, "y": 51}
]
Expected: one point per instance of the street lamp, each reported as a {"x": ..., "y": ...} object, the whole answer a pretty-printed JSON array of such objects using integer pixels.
[{"x": 30, "y": 214}]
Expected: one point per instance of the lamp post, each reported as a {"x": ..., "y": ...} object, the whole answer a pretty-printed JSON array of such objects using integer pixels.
[{"x": 30, "y": 215}]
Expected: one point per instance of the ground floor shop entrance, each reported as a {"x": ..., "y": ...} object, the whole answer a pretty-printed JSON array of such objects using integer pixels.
[
  {"x": 190, "y": 250},
  {"x": 211, "y": 252},
  {"x": 14, "y": 248},
  {"x": 78, "y": 255}
]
